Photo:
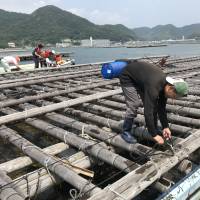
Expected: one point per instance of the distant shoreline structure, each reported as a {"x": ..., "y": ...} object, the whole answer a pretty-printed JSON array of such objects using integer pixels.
[
  {"x": 13, "y": 50},
  {"x": 146, "y": 46}
]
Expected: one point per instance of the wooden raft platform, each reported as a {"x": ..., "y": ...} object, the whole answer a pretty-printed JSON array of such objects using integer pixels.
[{"x": 74, "y": 108}]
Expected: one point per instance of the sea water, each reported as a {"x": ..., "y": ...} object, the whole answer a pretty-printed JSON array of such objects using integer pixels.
[{"x": 90, "y": 55}]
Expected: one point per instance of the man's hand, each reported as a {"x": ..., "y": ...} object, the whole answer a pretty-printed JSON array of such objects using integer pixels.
[
  {"x": 158, "y": 139},
  {"x": 167, "y": 133}
]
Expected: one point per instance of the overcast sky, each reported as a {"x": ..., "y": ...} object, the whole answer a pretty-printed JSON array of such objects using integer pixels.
[{"x": 131, "y": 13}]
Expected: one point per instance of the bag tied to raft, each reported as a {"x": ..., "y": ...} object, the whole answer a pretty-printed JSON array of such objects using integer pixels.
[{"x": 112, "y": 69}]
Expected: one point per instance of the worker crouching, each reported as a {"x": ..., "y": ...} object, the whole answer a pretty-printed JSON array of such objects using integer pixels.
[{"x": 149, "y": 82}]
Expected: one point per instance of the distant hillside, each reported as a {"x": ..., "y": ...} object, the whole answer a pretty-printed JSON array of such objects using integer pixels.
[
  {"x": 8, "y": 24},
  {"x": 51, "y": 24},
  {"x": 169, "y": 31}
]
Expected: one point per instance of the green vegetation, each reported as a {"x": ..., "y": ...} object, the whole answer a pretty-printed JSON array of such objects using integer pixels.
[
  {"x": 50, "y": 24},
  {"x": 169, "y": 31}
]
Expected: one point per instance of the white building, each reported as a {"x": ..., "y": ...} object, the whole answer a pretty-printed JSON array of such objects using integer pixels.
[
  {"x": 85, "y": 43},
  {"x": 65, "y": 43},
  {"x": 95, "y": 43},
  {"x": 11, "y": 44}
]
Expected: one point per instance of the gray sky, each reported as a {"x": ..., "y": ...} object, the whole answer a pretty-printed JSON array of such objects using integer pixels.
[{"x": 131, "y": 13}]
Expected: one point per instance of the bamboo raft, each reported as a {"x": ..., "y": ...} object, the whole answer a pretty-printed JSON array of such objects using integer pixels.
[{"x": 73, "y": 109}]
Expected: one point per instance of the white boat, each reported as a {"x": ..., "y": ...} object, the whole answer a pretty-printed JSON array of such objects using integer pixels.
[{"x": 31, "y": 66}]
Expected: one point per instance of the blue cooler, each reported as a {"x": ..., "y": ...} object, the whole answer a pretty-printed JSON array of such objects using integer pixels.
[{"x": 113, "y": 69}]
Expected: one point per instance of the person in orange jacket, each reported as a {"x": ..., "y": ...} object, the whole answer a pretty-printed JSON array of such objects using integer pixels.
[{"x": 50, "y": 59}]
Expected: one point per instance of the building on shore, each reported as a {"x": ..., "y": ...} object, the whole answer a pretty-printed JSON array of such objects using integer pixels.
[
  {"x": 95, "y": 43},
  {"x": 183, "y": 40},
  {"x": 11, "y": 45},
  {"x": 65, "y": 43}
]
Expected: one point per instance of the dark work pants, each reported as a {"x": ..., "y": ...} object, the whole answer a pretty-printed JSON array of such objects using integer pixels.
[
  {"x": 36, "y": 60},
  {"x": 132, "y": 102}
]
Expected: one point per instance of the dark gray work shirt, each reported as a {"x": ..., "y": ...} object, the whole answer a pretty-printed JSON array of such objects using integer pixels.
[{"x": 150, "y": 81}]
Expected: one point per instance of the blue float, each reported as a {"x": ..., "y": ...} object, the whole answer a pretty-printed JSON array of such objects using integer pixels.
[{"x": 113, "y": 69}]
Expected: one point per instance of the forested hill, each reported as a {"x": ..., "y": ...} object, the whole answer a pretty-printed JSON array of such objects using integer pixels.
[
  {"x": 169, "y": 31},
  {"x": 51, "y": 24}
]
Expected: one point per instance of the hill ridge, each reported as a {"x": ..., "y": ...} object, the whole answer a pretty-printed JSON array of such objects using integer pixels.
[{"x": 50, "y": 24}]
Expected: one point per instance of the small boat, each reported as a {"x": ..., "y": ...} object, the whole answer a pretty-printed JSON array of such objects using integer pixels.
[{"x": 31, "y": 66}]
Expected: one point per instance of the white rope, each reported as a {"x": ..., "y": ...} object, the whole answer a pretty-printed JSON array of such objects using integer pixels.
[
  {"x": 46, "y": 166},
  {"x": 49, "y": 127},
  {"x": 85, "y": 135},
  {"x": 113, "y": 162},
  {"x": 82, "y": 131},
  {"x": 108, "y": 123},
  {"x": 24, "y": 147},
  {"x": 73, "y": 194},
  {"x": 65, "y": 140},
  {"x": 82, "y": 146}
]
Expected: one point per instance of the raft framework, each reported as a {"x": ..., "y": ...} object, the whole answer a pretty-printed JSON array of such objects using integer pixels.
[{"x": 79, "y": 109}]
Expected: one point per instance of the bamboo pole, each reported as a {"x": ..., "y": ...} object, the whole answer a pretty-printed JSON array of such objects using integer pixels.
[
  {"x": 51, "y": 79},
  {"x": 120, "y": 98},
  {"x": 45, "y": 109},
  {"x": 39, "y": 181},
  {"x": 50, "y": 69},
  {"x": 108, "y": 137},
  {"x": 114, "y": 114},
  {"x": 189, "y": 108},
  {"x": 184, "y": 130},
  {"x": 7, "y": 191},
  {"x": 43, "y": 77},
  {"x": 110, "y": 123},
  {"x": 192, "y": 112},
  {"x": 87, "y": 146},
  {"x": 173, "y": 118},
  {"x": 136, "y": 181},
  {"x": 90, "y": 147},
  {"x": 55, "y": 166},
  {"x": 185, "y": 121},
  {"x": 52, "y": 94},
  {"x": 25, "y": 161},
  {"x": 189, "y": 111},
  {"x": 71, "y": 123}
]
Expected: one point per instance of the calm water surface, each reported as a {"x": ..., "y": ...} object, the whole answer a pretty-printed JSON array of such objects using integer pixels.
[
  {"x": 91, "y": 55},
  {"x": 88, "y": 55}
]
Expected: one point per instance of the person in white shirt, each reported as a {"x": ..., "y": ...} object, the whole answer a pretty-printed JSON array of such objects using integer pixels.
[{"x": 7, "y": 60}]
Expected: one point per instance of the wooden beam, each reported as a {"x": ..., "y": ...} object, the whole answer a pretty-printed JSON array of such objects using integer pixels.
[
  {"x": 51, "y": 79},
  {"x": 50, "y": 162},
  {"x": 136, "y": 181},
  {"x": 11, "y": 102},
  {"x": 42, "y": 77},
  {"x": 7, "y": 191},
  {"x": 24, "y": 161},
  {"x": 45, "y": 109},
  {"x": 42, "y": 177}
]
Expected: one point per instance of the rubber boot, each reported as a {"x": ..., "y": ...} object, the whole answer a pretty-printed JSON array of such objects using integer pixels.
[{"x": 126, "y": 134}]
